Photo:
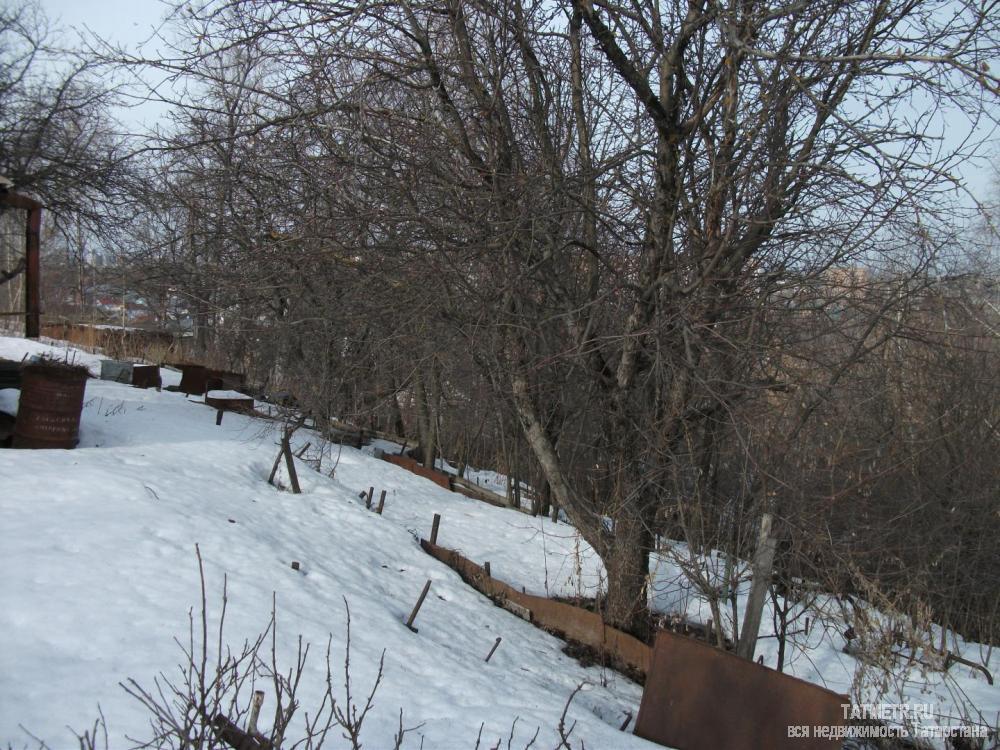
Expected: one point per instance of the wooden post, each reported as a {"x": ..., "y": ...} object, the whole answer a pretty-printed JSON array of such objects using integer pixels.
[
  {"x": 381, "y": 503},
  {"x": 416, "y": 607},
  {"x": 368, "y": 498},
  {"x": 486, "y": 569},
  {"x": 434, "y": 528},
  {"x": 492, "y": 650},
  {"x": 218, "y": 417},
  {"x": 290, "y": 464},
  {"x": 255, "y": 704},
  {"x": 32, "y": 295},
  {"x": 301, "y": 451}
]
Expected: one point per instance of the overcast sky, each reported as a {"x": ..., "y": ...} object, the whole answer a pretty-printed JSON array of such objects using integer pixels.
[
  {"x": 132, "y": 22},
  {"x": 127, "y": 21}
]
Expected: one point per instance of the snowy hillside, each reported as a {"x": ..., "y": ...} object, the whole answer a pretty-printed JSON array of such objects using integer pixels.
[
  {"x": 100, "y": 572},
  {"x": 98, "y": 554}
]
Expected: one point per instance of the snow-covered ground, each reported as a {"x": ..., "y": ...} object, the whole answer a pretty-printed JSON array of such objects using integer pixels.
[{"x": 99, "y": 574}]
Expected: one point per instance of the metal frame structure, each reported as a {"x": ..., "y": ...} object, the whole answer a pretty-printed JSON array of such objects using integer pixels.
[{"x": 33, "y": 227}]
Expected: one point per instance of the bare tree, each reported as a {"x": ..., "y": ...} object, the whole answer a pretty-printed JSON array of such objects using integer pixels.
[
  {"x": 624, "y": 214},
  {"x": 58, "y": 141}
]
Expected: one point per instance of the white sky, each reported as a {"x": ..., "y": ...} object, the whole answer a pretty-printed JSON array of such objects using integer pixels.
[
  {"x": 126, "y": 21},
  {"x": 133, "y": 22}
]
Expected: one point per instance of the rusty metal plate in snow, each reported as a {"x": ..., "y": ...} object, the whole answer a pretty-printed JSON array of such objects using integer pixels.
[{"x": 699, "y": 698}]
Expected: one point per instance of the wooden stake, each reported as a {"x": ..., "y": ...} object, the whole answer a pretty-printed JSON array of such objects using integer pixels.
[
  {"x": 434, "y": 528},
  {"x": 381, "y": 503},
  {"x": 368, "y": 498},
  {"x": 416, "y": 607},
  {"x": 302, "y": 450},
  {"x": 492, "y": 650},
  {"x": 486, "y": 569},
  {"x": 218, "y": 417},
  {"x": 290, "y": 465},
  {"x": 255, "y": 704}
]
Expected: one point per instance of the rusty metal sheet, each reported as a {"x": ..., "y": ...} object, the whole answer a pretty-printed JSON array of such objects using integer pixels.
[
  {"x": 701, "y": 698},
  {"x": 118, "y": 372},
  {"x": 193, "y": 379},
  {"x": 7, "y": 422},
  {"x": 48, "y": 413},
  {"x": 224, "y": 380},
  {"x": 10, "y": 374},
  {"x": 573, "y": 623},
  {"x": 415, "y": 467},
  {"x": 243, "y": 404}
]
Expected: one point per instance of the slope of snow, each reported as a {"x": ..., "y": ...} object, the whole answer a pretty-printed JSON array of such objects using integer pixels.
[
  {"x": 99, "y": 574},
  {"x": 18, "y": 349}
]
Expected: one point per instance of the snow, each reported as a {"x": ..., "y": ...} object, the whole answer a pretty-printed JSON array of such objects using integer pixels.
[
  {"x": 100, "y": 573},
  {"x": 18, "y": 349},
  {"x": 228, "y": 395},
  {"x": 489, "y": 480},
  {"x": 9, "y": 398},
  {"x": 97, "y": 548}
]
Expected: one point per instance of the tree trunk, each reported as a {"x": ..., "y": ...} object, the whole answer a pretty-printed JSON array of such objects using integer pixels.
[
  {"x": 627, "y": 565},
  {"x": 762, "y": 566},
  {"x": 626, "y": 548},
  {"x": 201, "y": 329},
  {"x": 424, "y": 430},
  {"x": 396, "y": 424},
  {"x": 434, "y": 396}
]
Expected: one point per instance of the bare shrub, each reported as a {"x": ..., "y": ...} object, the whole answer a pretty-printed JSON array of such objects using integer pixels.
[{"x": 206, "y": 707}]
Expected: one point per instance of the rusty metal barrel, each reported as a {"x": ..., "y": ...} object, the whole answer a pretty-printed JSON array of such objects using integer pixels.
[{"x": 48, "y": 412}]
